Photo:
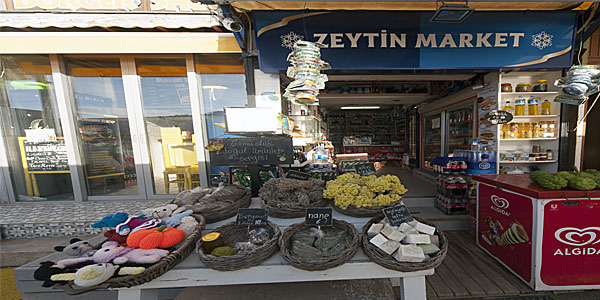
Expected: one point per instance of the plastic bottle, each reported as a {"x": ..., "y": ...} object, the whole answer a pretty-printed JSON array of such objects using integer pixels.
[
  {"x": 520, "y": 106},
  {"x": 509, "y": 108},
  {"x": 533, "y": 108},
  {"x": 546, "y": 107}
]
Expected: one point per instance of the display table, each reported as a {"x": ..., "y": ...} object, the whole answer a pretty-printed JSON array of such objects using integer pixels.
[
  {"x": 549, "y": 239},
  {"x": 191, "y": 272}
]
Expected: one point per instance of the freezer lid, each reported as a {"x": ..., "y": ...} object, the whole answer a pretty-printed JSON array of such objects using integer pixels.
[{"x": 520, "y": 183}]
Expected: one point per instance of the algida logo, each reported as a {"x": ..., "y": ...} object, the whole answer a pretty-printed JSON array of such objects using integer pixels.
[{"x": 579, "y": 238}]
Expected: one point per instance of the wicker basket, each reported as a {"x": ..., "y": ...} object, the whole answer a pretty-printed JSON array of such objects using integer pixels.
[
  {"x": 362, "y": 212},
  {"x": 232, "y": 234},
  {"x": 325, "y": 262},
  {"x": 156, "y": 270},
  {"x": 291, "y": 212},
  {"x": 385, "y": 260},
  {"x": 222, "y": 213}
]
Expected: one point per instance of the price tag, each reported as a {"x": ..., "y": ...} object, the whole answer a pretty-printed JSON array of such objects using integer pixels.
[
  {"x": 297, "y": 175},
  {"x": 321, "y": 216},
  {"x": 215, "y": 179},
  {"x": 252, "y": 217},
  {"x": 365, "y": 169},
  {"x": 397, "y": 215},
  {"x": 498, "y": 117}
]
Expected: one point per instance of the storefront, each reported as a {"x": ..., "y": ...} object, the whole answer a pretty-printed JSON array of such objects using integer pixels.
[{"x": 112, "y": 115}]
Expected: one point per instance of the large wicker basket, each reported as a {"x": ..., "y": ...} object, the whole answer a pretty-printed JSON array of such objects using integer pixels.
[
  {"x": 150, "y": 273},
  {"x": 325, "y": 262},
  {"x": 232, "y": 234},
  {"x": 291, "y": 212},
  {"x": 226, "y": 212},
  {"x": 385, "y": 260},
  {"x": 362, "y": 212}
]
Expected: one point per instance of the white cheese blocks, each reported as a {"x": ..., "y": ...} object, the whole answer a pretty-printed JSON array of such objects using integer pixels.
[
  {"x": 417, "y": 239},
  {"x": 374, "y": 230}
]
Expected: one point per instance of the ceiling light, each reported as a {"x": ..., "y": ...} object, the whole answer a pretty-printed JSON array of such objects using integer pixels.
[
  {"x": 451, "y": 13},
  {"x": 360, "y": 107}
]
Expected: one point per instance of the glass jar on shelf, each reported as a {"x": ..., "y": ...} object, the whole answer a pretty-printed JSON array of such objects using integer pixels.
[
  {"x": 521, "y": 131},
  {"x": 535, "y": 130},
  {"x": 506, "y": 88},
  {"x": 533, "y": 108},
  {"x": 520, "y": 106},
  {"x": 540, "y": 86},
  {"x": 524, "y": 87}
]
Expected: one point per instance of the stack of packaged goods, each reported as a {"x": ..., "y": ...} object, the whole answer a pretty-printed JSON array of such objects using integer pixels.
[
  {"x": 452, "y": 185},
  {"x": 478, "y": 162},
  {"x": 306, "y": 72}
]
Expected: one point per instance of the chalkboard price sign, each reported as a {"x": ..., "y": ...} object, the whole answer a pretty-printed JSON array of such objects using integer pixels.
[
  {"x": 397, "y": 215},
  {"x": 252, "y": 217},
  {"x": 498, "y": 117},
  {"x": 297, "y": 175},
  {"x": 365, "y": 169},
  {"x": 261, "y": 150},
  {"x": 215, "y": 179},
  {"x": 46, "y": 156},
  {"x": 320, "y": 216}
]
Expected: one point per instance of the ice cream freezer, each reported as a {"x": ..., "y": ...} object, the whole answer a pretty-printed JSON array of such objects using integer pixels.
[{"x": 549, "y": 239}]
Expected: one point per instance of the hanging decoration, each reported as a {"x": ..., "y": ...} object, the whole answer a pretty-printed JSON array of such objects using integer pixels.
[
  {"x": 582, "y": 81},
  {"x": 306, "y": 71}
]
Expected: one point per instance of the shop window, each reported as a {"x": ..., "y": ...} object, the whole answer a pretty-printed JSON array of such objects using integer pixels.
[
  {"x": 168, "y": 123},
  {"x": 31, "y": 128},
  {"x": 222, "y": 83},
  {"x": 103, "y": 126}
]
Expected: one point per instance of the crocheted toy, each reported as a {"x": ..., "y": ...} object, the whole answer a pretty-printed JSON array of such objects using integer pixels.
[
  {"x": 111, "y": 220},
  {"x": 64, "y": 277},
  {"x": 48, "y": 268},
  {"x": 131, "y": 270},
  {"x": 132, "y": 224},
  {"x": 162, "y": 212},
  {"x": 188, "y": 225},
  {"x": 94, "y": 274},
  {"x": 163, "y": 237},
  {"x": 112, "y": 235},
  {"x": 77, "y": 248},
  {"x": 176, "y": 219},
  {"x": 112, "y": 252}
]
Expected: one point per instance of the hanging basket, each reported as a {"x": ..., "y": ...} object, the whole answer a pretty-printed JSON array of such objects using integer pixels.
[
  {"x": 385, "y": 260},
  {"x": 323, "y": 263},
  {"x": 232, "y": 234}
]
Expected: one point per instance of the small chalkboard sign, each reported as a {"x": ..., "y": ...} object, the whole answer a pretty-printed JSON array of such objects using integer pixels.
[
  {"x": 297, "y": 175},
  {"x": 215, "y": 179},
  {"x": 320, "y": 216},
  {"x": 397, "y": 215},
  {"x": 498, "y": 117},
  {"x": 252, "y": 217},
  {"x": 365, "y": 169}
]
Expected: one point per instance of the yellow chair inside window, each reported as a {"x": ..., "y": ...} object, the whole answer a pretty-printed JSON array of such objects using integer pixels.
[{"x": 171, "y": 138}]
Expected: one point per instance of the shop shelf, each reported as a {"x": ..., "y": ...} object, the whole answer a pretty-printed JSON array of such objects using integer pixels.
[
  {"x": 460, "y": 135},
  {"x": 459, "y": 145},
  {"x": 529, "y": 162},
  {"x": 461, "y": 122},
  {"x": 529, "y": 93},
  {"x": 536, "y": 139}
]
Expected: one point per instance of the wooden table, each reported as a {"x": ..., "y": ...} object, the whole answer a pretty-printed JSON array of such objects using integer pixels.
[{"x": 192, "y": 273}]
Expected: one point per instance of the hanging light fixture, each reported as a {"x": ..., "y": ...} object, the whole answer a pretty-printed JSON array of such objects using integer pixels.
[{"x": 451, "y": 13}]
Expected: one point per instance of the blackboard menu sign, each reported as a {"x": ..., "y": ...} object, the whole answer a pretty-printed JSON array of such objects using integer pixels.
[
  {"x": 46, "y": 156},
  {"x": 297, "y": 175},
  {"x": 365, "y": 169},
  {"x": 320, "y": 216},
  {"x": 397, "y": 215},
  {"x": 252, "y": 217},
  {"x": 498, "y": 117},
  {"x": 261, "y": 150},
  {"x": 215, "y": 179}
]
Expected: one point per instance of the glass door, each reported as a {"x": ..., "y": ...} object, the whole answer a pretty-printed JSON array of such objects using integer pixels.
[
  {"x": 432, "y": 138},
  {"x": 460, "y": 129},
  {"x": 106, "y": 139}
]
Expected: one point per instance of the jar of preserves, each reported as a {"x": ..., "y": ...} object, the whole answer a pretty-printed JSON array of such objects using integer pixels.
[
  {"x": 540, "y": 86},
  {"x": 511, "y": 131},
  {"x": 528, "y": 130},
  {"x": 523, "y": 87},
  {"x": 533, "y": 107},
  {"x": 521, "y": 131},
  {"x": 520, "y": 107},
  {"x": 506, "y": 88},
  {"x": 536, "y": 130},
  {"x": 547, "y": 129}
]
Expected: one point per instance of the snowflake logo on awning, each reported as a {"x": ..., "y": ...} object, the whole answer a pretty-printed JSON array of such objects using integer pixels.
[
  {"x": 289, "y": 39},
  {"x": 541, "y": 40}
]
